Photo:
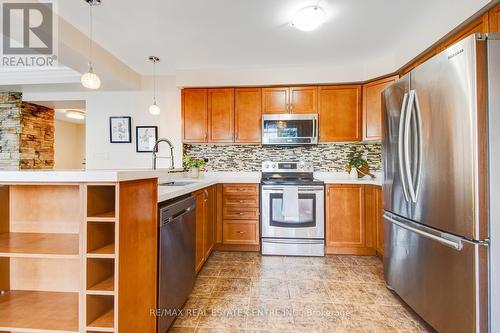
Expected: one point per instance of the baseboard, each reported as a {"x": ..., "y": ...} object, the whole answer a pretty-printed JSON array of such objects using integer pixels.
[
  {"x": 359, "y": 251},
  {"x": 240, "y": 248}
]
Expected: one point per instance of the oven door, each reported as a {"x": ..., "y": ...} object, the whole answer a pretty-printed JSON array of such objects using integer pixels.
[
  {"x": 311, "y": 223},
  {"x": 289, "y": 129}
]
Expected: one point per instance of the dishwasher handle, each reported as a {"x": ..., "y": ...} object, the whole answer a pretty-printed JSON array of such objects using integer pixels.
[{"x": 176, "y": 210}]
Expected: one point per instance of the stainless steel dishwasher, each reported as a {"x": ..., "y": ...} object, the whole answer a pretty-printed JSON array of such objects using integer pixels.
[{"x": 176, "y": 271}]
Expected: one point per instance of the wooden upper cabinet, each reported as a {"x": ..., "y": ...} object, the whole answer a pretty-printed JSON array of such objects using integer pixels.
[
  {"x": 372, "y": 107},
  {"x": 221, "y": 115},
  {"x": 339, "y": 113},
  {"x": 345, "y": 216},
  {"x": 304, "y": 100},
  {"x": 494, "y": 17},
  {"x": 248, "y": 114},
  {"x": 194, "y": 115},
  {"x": 275, "y": 100}
]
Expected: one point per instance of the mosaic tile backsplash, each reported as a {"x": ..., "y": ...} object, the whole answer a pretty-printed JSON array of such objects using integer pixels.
[{"x": 326, "y": 157}]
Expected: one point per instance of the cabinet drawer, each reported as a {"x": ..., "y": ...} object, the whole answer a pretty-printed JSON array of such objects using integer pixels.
[
  {"x": 241, "y": 201},
  {"x": 239, "y": 232},
  {"x": 240, "y": 213},
  {"x": 241, "y": 189}
]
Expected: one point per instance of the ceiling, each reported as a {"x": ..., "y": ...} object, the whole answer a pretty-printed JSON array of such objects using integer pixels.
[{"x": 231, "y": 34}]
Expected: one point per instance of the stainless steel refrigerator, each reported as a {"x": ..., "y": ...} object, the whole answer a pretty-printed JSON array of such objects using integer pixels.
[{"x": 441, "y": 191}]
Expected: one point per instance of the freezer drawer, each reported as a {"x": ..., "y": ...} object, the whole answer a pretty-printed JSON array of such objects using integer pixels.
[{"x": 442, "y": 277}]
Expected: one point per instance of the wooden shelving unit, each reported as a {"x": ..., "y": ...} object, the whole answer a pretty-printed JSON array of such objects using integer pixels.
[
  {"x": 60, "y": 257},
  {"x": 40, "y": 257},
  {"x": 48, "y": 311},
  {"x": 101, "y": 269},
  {"x": 23, "y": 244}
]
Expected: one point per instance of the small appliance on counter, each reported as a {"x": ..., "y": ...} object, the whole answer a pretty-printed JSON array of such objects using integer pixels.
[{"x": 292, "y": 219}]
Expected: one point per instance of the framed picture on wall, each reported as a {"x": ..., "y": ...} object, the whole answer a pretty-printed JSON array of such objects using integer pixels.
[
  {"x": 120, "y": 129},
  {"x": 146, "y": 137}
]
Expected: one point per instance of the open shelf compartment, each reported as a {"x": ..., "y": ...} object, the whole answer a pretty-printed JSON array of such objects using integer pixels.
[
  {"x": 100, "y": 239},
  {"x": 48, "y": 311},
  {"x": 100, "y": 312},
  {"x": 100, "y": 275},
  {"x": 100, "y": 202}
]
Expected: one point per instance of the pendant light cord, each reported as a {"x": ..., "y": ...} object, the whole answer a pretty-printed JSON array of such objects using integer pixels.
[
  {"x": 91, "y": 34},
  {"x": 154, "y": 82}
]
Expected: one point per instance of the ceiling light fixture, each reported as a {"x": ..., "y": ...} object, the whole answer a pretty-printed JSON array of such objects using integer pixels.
[
  {"x": 75, "y": 114},
  {"x": 309, "y": 18},
  {"x": 154, "y": 109},
  {"x": 90, "y": 80}
]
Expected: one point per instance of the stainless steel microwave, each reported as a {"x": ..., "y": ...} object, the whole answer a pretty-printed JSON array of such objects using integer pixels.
[{"x": 290, "y": 129}]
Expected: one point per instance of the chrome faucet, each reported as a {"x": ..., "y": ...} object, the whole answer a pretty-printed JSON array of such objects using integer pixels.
[{"x": 155, "y": 148}]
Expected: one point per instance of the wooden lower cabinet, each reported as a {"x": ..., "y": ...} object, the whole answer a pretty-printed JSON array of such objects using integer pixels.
[
  {"x": 373, "y": 216},
  {"x": 240, "y": 214},
  {"x": 205, "y": 224},
  {"x": 350, "y": 219}
]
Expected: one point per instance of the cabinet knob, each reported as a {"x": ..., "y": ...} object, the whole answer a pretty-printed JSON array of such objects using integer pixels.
[
  {"x": 242, "y": 201},
  {"x": 240, "y": 232}
]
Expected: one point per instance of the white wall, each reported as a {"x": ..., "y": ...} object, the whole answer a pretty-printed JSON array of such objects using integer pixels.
[
  {"x": 100, "y": 105},
  {"x": 69, "y": 145}
]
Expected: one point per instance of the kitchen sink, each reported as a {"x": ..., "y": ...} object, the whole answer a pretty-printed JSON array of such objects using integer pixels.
[{"x": 179, "y": 183}]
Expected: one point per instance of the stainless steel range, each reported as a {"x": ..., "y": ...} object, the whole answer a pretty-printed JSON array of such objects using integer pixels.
[{"x": 293, "y": 216}]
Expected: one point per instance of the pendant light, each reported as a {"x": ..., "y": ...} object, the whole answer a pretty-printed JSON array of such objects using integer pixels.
[
  {"x": 154, "y": 109},
  {"x": 90, "y": 80}
]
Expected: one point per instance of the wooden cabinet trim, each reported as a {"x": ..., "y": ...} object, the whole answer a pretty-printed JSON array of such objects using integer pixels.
[{"x": 494, "y": 19}]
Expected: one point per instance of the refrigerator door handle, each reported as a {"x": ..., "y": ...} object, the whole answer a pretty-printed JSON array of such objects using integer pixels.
[
  {"x": 406, "y": 140},
  {"x": 418, "y": 177},
  {"x": 445, "y": 239},
  {"x": 401, "y": 146}
]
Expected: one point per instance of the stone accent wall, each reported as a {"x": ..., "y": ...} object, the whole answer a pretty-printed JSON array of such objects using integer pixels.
[
  {"x": 10, "y": 119},
  {"x": 326, "y": 157},
  {"x": 36, "y": 137},
  {"x": 26, "y": 134}
]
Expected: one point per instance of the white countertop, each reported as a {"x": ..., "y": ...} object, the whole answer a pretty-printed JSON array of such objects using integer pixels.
[
  {"x": 212, "y": 178},
  {"x": 206, "y": 179},
  {"x": 78, "y": 176},
  {"x": 345, "y": 178}
]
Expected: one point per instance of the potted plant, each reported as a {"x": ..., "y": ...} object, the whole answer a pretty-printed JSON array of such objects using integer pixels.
[
  {"x": 193, "y": 165},
  {"x": 356, "y": 161}
]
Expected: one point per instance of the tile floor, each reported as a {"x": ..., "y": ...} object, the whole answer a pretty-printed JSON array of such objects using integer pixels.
[{"x": 240, "y": 292}]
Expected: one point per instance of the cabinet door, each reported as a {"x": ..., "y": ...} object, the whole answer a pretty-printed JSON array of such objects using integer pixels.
[
  {"x": 304, "y": 100},
  {"x": 377, "y": 207},
  {"x": 248, "y": 114},
  {"x": 194, "y": 115},
  {"x": 339, "y": 113},
  {"x": 200, "y": 224},
  {"x": 221, "y": 115},
  {"x": 372, "y": 107},
  {"x": 275, "y": 100},
  {"x": 345, "y": 216},
  {"x": 209, "y": 229}
]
